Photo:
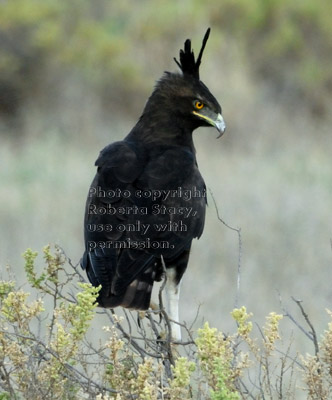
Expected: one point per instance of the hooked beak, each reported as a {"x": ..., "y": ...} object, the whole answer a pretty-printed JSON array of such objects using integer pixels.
[
  {"x": 219, "y": 123},
  {"x": 210, "y": 117}
]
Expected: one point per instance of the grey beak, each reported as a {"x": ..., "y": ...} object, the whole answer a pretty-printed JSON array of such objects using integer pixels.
[{"x": 219, "y": 123}]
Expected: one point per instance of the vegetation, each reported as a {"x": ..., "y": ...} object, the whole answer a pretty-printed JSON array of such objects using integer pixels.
[
  {"x": 49, "y": 356},
  {"x": 73, "y": 77},
  {"x": 286, "y": 43}
]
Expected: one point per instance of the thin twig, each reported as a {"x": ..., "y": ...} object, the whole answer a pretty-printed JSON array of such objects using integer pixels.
[
  {"x": 287, "y": 314},
  {"x": 48, "y": 350},
  {"x": 238, "y": 231},
  {"x": 313, "y": 332}
]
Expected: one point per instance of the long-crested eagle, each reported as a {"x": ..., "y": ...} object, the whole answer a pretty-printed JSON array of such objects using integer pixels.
[{"x": 147, "y": 201}]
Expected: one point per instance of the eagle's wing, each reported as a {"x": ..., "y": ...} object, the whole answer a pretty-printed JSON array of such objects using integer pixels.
[{"x": 126, "y": 172}]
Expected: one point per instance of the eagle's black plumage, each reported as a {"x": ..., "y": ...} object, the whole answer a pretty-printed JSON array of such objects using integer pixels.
[
  {"x": 157, "y": 155},
  {"x": 187, "y": 63}
]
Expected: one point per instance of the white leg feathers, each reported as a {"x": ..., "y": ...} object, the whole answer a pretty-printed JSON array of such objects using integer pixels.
[{"x": 172, "y": 302}]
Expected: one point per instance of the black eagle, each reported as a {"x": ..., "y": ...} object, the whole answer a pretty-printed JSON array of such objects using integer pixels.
[{"x": 147, "y": 201}]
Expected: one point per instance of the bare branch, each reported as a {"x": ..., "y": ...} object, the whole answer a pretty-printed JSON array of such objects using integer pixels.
[
  {"x": 313, "y": 331},
  {"x": 238, "y": 231}
]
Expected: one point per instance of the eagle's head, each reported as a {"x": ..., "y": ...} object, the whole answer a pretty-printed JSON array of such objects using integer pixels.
[{"x": 184, "y": 97}]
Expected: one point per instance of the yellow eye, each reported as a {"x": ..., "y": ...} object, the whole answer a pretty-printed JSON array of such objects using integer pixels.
[{"x": 198, "y": 105}]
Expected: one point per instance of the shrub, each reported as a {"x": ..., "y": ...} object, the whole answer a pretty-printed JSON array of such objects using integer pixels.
[{"x": 47, "y": 354}]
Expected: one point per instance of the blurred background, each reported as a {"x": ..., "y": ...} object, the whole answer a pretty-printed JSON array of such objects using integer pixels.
[{"x": 75, "y": 75}]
